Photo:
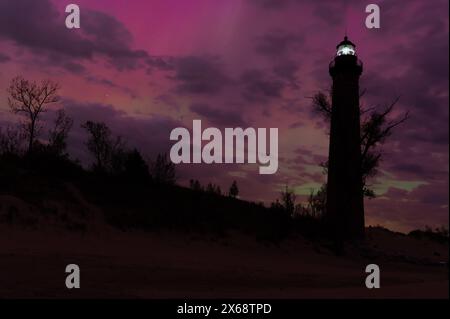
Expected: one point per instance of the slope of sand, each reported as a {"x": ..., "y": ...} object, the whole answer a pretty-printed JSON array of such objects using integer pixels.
[{"x": 168, "y": 265}]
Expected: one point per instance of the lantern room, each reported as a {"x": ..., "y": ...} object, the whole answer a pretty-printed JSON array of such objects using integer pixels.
[{"x": 346, "y": 47}]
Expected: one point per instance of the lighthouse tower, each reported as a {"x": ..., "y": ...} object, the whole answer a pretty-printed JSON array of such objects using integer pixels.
[{"x": 345, "y": 207}]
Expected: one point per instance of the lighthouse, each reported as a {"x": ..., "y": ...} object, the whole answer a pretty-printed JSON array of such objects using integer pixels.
[{"x": 344, "y": 214}]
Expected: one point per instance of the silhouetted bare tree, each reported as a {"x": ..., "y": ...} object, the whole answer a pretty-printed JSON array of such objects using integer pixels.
[
  {"x": 288, "y": 198},
  {"x": 317, "y": 201},
  {"x": 30, "y": 99},
  {"x": 102, "y": 145},
  {"x": 59, "y": 133},
  {"x": 376, "y": 127}
]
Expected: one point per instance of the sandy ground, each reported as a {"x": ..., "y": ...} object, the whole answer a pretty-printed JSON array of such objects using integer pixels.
[{"x": 167, "y": 265}]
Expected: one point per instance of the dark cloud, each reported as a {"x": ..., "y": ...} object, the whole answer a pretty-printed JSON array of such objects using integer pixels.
[
  {"x": 411, "y": 168},
  {"x": 431, "y": 195},
  {"x": 420, "y": 132},
  {"x": 38, "y": 26},
  {"x": 287, "y": 70},
  {"x": 72, "y": 67},
  {"x": 301, "y": 110},
  {"x": 404, "y": 210},
  {"x": 297, "y": 124},
  {"x": 219, "y": 116},
  {"x": 199, "y": 75},
  {"x": 110, "y": 38},
  {"x": 262, "y": 85},
  {"x": 327, "y": 11},
  {"x": 161, "y": 63},
  {"x": 323, "y": 9},
  {"x": 276, "y": 43},
  {"x": 4, "y": 58},
  {"x": 423, "y": 83},
  {"x": 307, "y": 156},
  {"x": 271, "y": 4},
  {"x": 167, "y": 100},
  {"x": 110, "y": 84},
  {"x": 412, "y": 161},
  {"x": 258, "y": 86}
]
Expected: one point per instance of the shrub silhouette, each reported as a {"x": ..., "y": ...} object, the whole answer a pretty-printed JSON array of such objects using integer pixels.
[
  {"x": 234, "y": 190},
  {"x": 130, "y": 165},
  {"x": 162, "y": 170},
  {"x": 440, "y": 235},
  {"x": 11, "y": 139}
]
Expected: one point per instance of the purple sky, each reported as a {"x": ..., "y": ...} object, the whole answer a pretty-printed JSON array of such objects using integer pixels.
[{"x": 146, "y": 67}]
